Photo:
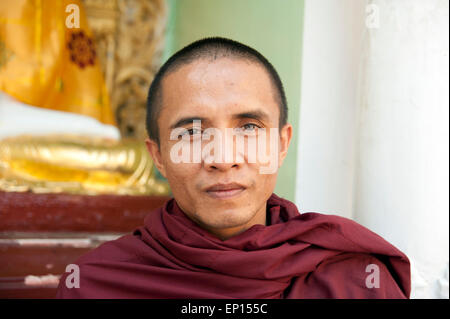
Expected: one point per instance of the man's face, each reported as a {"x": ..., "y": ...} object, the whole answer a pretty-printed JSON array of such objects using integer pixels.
[{"x": 223, "y": 197}]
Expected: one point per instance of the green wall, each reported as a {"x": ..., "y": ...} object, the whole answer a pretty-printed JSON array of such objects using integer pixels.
[{"x": 274, "y": 28}]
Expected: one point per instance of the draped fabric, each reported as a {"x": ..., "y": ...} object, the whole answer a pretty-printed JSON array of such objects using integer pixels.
[
  {"x": 46, "y": 61},
  {"x": 295, "y": 255}
]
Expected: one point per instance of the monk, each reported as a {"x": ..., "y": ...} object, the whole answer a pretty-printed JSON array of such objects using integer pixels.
[{"x": 225, "y": 234}]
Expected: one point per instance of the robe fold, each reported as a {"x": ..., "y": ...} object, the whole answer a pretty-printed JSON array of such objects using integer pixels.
[{"x": 307, "y": 255}]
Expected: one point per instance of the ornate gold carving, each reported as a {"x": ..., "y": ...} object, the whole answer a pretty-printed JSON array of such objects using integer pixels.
[{"x": 129, "y": 37}]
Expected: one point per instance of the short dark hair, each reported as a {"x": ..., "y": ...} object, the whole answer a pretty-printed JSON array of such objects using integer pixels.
[{"x": 213, "y": 48}]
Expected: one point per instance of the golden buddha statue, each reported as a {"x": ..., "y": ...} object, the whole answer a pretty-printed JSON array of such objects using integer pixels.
[{"x": 69, "y": 71}]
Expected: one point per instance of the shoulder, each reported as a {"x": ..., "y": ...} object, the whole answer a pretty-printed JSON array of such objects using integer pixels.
[
  {"x": 123, "y": 248},
  {"x": 354, "y": 276},
  {"x": 99, "y": 266}
]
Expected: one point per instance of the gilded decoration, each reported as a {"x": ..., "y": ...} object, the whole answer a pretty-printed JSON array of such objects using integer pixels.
[
  {"x": 126, "y": 38},
  {"x": 129, "y": 36}
]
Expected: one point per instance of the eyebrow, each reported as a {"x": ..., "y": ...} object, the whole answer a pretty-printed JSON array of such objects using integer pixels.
[
  {"x": 187, "y": 120},
  {"x": 257, "y": 115}
]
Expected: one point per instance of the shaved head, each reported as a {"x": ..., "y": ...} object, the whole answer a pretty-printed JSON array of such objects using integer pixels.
[{"x": 209, "y": 49}]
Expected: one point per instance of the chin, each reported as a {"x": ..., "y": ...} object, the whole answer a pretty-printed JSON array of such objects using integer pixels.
[{"x": 228, "y": 218}]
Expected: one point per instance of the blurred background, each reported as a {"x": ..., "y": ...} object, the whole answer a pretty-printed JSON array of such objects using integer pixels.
[{"x": 367, "y": 89}]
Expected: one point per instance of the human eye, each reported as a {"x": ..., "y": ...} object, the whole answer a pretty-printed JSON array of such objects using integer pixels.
[
  {"x": 192, "y": 131},
  {"x": 250, "y": 127}
]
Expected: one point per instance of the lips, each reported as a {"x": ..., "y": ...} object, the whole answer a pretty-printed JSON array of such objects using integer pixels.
[{"x": 222, "y": 191}]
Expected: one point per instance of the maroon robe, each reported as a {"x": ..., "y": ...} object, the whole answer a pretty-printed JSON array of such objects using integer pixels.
[{"x": 295, "y": 255}]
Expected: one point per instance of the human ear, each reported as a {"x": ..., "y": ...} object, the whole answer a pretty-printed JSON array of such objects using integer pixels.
[
  {"x": 154, "y": 150},
  {"x": 285, "y": 140}
]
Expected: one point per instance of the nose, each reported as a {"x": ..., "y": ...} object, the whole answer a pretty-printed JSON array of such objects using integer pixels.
[
  {"x": 223, "y": 167},
  {"x": 222, "y": 156}
]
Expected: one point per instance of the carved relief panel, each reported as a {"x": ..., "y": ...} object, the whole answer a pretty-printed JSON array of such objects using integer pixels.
[{"x": 129, "y": 38}]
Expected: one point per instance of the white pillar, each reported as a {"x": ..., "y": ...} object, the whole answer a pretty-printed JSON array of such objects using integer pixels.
[
  {"x": 332, "y": 39},
  {"x": 402, "y": 184}
]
